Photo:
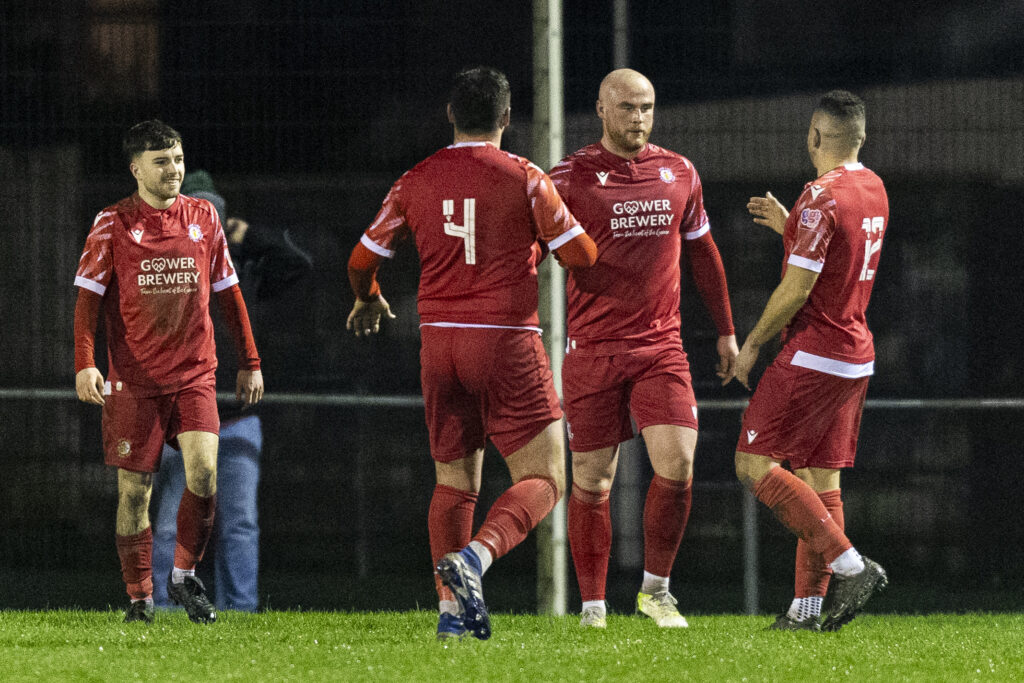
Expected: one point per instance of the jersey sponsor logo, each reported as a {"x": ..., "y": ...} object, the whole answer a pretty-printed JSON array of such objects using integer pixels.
[
  {"x": 751, "y": 435},
  {"x": 137, "y": 234},
  {"x": 666, "y": 174},
  {"x": 816, "y": 190},
  {"x": 194, "y": 232},
  {"x": 641, "y": 218},
  {"x": 602, "y": 176},
  {"x": 810, "y": 218},
  {"x": 168, "y": 275}
]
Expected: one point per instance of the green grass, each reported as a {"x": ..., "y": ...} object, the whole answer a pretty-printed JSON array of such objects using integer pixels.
[{"x": 379, "y": 646}]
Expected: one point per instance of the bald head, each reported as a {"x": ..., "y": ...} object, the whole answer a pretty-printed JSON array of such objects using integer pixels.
[{"x": 625, "y": 105}]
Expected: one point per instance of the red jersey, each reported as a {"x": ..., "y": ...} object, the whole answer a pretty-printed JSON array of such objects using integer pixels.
[
  {"x": 475, "y": 212},
  {"x": 836, "y": 229},
  {"x": 636, "y": 211},
  {"x": 155, "y": 270}
]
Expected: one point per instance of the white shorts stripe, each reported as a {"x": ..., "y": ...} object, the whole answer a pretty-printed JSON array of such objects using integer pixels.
[
  {"x": 91, "y": 285},
  {"x": 376, "y": 248},
  {"x": 485, "y": 327},
  {"x": 805, "y": 263},
  {"x": 830, "y": 366},
  {"x": 225, "y": 283},
  {"x": 564, "y": 238}
]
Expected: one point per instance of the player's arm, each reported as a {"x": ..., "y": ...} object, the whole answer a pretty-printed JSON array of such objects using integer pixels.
[
  {"x": 783, "y": 304},
  {"x": 709, "y": 275},
  {"x": 768, "y": 210},
  {"x": 88, "y": 379},
  {"x": 370, "y": 305},
  {"x": 557, "y": 227},
  {"x": 578, "y": 252},
  {"x": 249, "y": 382}
]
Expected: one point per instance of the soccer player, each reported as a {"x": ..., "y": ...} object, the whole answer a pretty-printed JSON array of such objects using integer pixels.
[
  {"x": 481, "y": 219},
  {"x": 644, "y": 207},
  {"x": 807, "y": 406},
  {"x": 150, "y": 262}
]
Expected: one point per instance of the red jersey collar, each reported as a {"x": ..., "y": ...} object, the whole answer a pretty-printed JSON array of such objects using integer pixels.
[
  {"x": 148, "y": 211},
  {"x": 613, "y": 157}
]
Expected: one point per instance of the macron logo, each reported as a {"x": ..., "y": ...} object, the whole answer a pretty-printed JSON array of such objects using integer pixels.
[
  {"x": 816, "y": 190},
  {"x": 602, "y": 176},
  {"x": 751, "y": 435},
  {"x": 137, "y": 234}
]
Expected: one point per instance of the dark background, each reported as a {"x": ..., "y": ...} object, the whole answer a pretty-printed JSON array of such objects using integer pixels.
[{"x": 305, "y": 112}]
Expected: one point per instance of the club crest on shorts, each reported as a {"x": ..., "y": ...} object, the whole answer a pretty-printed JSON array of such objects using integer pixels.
[
  {"x": 194, "y": 233},
  {"x": 666, "y": 174},
  {"x": 124, "y": 448}
]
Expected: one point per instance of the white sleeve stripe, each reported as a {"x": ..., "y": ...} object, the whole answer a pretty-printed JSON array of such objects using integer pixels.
[
  {"x": 225, "y": 283},
  {"x": 697, "y": 234},
  {"x": 806, "y": 263},
  {"x": 376, "y": 248},
  {"x": 565, "y": 237},
  {"x": 91, "y": 285}
]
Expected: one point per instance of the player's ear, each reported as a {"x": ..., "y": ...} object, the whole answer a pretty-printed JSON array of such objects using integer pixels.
[
  {"x": 451, "y": 114},
  {"x": 817, "y": 138},
  {"x": 505, "y": 119},
  {"x": 599, "y": 108}
]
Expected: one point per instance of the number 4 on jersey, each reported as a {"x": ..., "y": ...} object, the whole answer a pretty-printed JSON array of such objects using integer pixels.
[
  {"x": 871, "y": 226},
  {"x": 467, "y": 231}
]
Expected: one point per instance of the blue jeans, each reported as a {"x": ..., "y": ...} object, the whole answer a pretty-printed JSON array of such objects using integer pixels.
[{"x": 236, "y": 533}]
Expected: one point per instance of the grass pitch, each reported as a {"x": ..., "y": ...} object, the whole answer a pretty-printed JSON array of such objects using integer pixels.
[{"x": 332, "y": 646}]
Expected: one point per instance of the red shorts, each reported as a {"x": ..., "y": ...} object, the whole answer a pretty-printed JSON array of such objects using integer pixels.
[
  {"x": 135, "y": 428},
  {"x": 810, "y": 418},
  {"x": 602, "y": 391},
  {"x": 483, "y": 383}
]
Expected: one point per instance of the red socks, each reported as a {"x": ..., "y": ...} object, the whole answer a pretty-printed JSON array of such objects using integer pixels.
[
  {"x": 812, "y": 572},
  {"x": 590, "y": 539},
  {"x": 665, "y": 515},
  {"x": 798, "y": 507},
  {"x": 450, "y": 524},
  {"x": 136, "y": 553},
  {"x": 195, "y": 522},
  {"x": 516, "y": 513}
]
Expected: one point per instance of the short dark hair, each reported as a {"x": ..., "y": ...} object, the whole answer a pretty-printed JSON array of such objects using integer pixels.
[
  {"x": 479, "y": 97},
  {"x": 148, "y": 136},
  {"x": 842, "y": 105}
]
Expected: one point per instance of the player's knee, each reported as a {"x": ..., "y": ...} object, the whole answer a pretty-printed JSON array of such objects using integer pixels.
[{"x": 751, "y": 468}]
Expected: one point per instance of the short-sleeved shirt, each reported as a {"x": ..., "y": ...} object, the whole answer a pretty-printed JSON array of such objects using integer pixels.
[
  {"x": 475, "y": 212},
  {"x": 155, "y": 270},
  {"x": 636, "y": 211},
  {"x": 836, "y": 229}
]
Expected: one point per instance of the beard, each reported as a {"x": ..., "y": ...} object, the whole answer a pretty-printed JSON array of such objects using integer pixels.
[
  {"x": 164, "y": 189},
  {"x": 629, "y": 141}
]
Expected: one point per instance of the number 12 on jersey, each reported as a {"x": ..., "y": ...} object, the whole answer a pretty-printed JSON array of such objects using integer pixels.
[
  {"x": 871, "y": 226},
  {"x": 467, "y": 231}
]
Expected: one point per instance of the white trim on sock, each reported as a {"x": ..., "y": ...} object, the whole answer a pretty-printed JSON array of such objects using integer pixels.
[
  {"x": 653, "y": 584},
  {"x": 848, "y": 564},
  {"x": 178, "y": 575},
  {"x": 486, "y": 559}
]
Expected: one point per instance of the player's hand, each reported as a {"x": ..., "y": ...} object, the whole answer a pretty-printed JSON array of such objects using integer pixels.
[
  {"x": 727, "y": 352},
  {"x": 745, "y": 362},
  {"x": 768, "y": 210},
  {"x": 249, "y": 387},
  {"x": 89, "y": 386},
  {"x": 365, "y": 316}
]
